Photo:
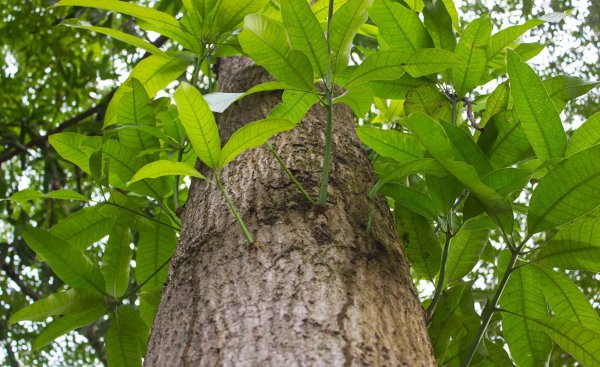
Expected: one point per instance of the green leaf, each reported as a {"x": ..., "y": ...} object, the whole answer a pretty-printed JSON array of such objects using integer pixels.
[
  {"x": 305, "y": 33},
  {"x": 24, "y": 196},
  {"x": 454, "y": 318},
  {"x": 400, "y": 27},
  {"x": 541, "y": 122},
  {"x": 420, "y": 242},
  {"x": 266, "y": 42},
  {"x": 472, "y": 48},
  {"x": 115, "y": 34},
  {"x": 149, "y": 301},
  {"x": 438, "y": 23},
  {"x": 433, "y": 136},
  {"x": 507, "y": 180},
  {"x": 566, "y": 192},
  {"x": 466, "y": 247},
  {"x": 155, "y": 73},
  {"x": 504, "y": 141},
  {"x": 295, "y": 105},
  {"x": 82, "y": 228},
  {"x": 575, "y": 247},
  {"x": 252, "y": 135},
  {"x": 564, "y": 88},
  {"x": 155, "y": 248},
  {"x": 412, "y": 199},
  {"x": 64, "y": 324},
  {"x": 30, "y": 194},
  {"x": 65, "y": 194},
  {"x": 389, "y": 143},
  {"x": 125, "y": 337},
  {"x": 383, "y": 65},
  {"x": 428, "y": 99},
  {"x": 123, "y": 165},
  {"x": 565, "y": 298},
  {"x": 69, "y": 264},
  {"x": 199, "y": 124},
  {"x": 496, "y": 103},
  {"x": 71, "y": 301},
  {"x": 359, "y": 99},
  {"x": 344, "y": 25},
  {"x": 163, "y": 167},
  {"x": 577, "y": 340},
  {"x": 75, "y": 148},
  {"x": 466, "y": 150},
  {"x": 586, "y": 136},
  {"x": 528, "y": 344},
  {"x": 393, "y": 172},
  {"x": 232, "y": 12},
  {"x": 135, "y": 109},
  {"x": 505, "y": 37},
  {"x": 115, "y": 261},
  {"x": 395, "y": 89},
  {"x": 152, "y": 20},
  {"x": 390, "y": 64},
  {"x": 451, "y": 9}
]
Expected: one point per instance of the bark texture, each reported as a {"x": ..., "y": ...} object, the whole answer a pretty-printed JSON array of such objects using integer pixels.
[{"x": 317, "y": 289}]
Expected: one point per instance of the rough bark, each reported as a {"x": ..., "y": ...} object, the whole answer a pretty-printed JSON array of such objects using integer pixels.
[{"x": 317, "y": 289}]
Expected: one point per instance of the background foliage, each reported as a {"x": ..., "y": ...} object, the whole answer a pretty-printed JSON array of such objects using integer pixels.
[{"x": 61, "y": 79}]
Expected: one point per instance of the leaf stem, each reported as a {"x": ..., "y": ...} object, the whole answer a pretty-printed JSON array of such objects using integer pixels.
[
  {"x": 176, "y": 185},
  {"x": 147, "y": 279},
  {"x": 196, "y": 71},
  {"x": 489, "y": 310},
  {"x": 142, "y": 215},
  {"x": 169, "y": 213},
  {"x": 442, "y": 277},
  {"x": 289, "y": 173},
  {"x": 233, "y": 209},
  {"x": 329, "y": 108}
]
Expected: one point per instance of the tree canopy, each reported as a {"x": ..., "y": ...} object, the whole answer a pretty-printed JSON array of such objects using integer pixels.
[{"x": 489, "y": 163}]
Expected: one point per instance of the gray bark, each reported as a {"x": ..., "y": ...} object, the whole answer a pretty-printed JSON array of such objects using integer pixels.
[{"x": 316, "y": 289}]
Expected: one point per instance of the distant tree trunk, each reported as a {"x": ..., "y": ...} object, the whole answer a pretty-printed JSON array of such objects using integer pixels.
[{"x": 317, "y": 289}]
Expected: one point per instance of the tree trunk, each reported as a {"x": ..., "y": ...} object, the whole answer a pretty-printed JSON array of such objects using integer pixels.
[{"x": 316, "y": 289}]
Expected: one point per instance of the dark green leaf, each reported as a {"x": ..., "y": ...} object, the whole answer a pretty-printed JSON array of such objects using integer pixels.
[
  {"x": 420, "y": 242},
  {"x": 412, "y": 199}
]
